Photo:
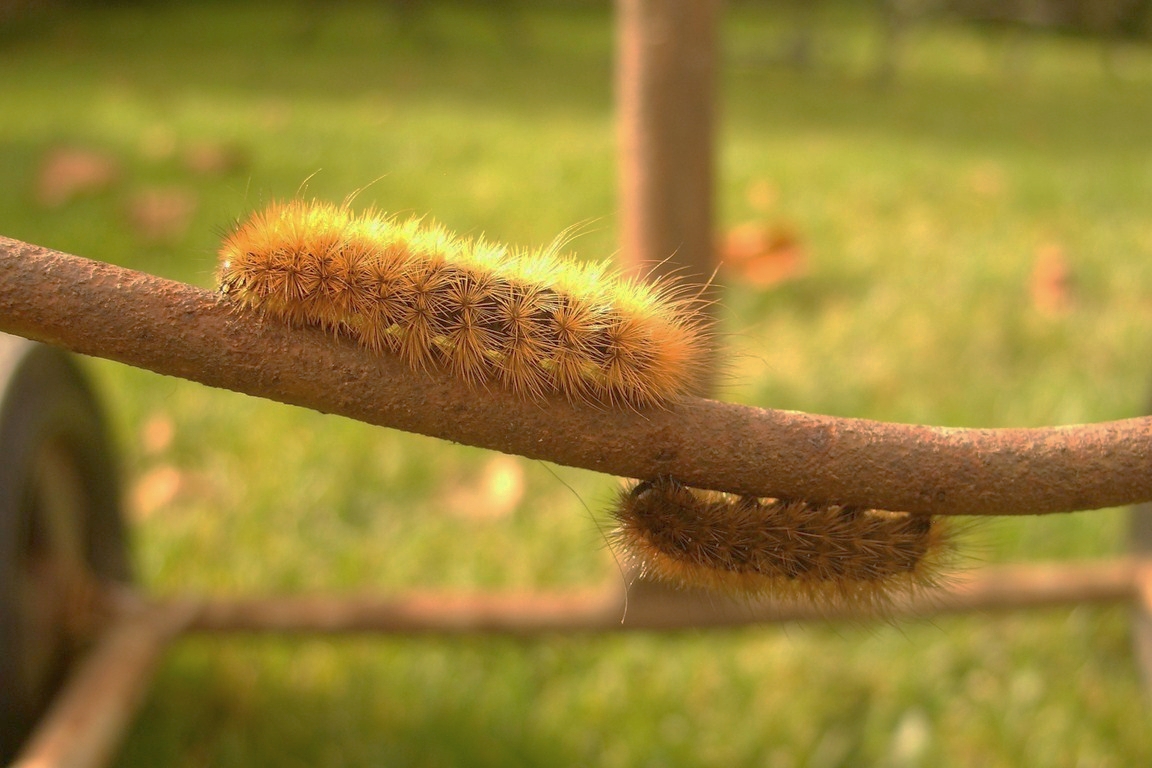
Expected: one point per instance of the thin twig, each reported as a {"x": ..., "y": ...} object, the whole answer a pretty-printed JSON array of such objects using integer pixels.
[
  {"x": 651, "y": 607},
  {"x": 176, "y": 329}
]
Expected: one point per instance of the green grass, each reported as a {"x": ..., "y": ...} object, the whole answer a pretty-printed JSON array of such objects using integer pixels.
[{"x": 922, "y": 207}]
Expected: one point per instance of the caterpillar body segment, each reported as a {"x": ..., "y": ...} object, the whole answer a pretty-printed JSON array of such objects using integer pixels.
[
  {"x": 791, "y": 550},
  {"x": 534, "y": 322}
]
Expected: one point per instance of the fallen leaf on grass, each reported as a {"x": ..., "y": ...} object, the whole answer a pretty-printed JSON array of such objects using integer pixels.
[
  {"x": 762, "y": 195},
  {"x": 162, "y": 214},
  {"x": 213, "y": 159},
  {"x": 764, "y": 255},
  {"x": 156, "y": 434},
  {"x": 1051, "y": 283},
  {"x": 494, "y": 495},
  {"x": 67, "y": 173},
  {"x": 155, "y": 489}
]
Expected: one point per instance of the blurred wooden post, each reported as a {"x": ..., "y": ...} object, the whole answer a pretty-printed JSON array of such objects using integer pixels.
[
  {"x": 665, "y": 99},
  {"x": 1140, "y": 527},
  {"x": 665, "y": 73},
  {"x": 1142, "y": 618}
]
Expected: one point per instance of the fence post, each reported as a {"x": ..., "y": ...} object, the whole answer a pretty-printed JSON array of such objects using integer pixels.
[
  {"x": 665, "y": 92},
  {"x": 1140, "y": 529}
]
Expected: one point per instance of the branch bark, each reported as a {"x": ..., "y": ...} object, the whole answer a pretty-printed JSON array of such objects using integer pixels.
[{"x": 179, "y": 330}]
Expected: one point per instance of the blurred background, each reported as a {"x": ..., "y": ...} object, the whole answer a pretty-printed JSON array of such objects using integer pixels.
[{"x": 927, "y": 211}]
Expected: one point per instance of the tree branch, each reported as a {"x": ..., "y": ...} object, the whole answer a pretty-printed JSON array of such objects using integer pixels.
[{"x": 179, "y": 330}]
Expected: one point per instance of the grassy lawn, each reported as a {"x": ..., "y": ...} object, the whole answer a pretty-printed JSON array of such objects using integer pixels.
[{"x": 923, "y": 212}]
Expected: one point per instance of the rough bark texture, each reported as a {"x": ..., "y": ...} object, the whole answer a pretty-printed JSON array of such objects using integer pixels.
[{"x": 176, "y": 329}]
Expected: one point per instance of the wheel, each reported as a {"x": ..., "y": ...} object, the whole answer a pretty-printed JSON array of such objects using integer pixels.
[{"x": 61, "y": 531}]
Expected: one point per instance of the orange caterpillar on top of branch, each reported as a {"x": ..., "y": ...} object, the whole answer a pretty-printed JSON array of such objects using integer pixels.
[
  {"x": 541, "y": 324},
  {"x": 534, "y": 322}
]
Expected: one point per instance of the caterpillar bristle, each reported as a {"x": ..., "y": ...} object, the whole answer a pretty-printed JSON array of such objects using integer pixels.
[
  {"x": 540, "y": 325},
  {"x": 829, "y": 555},
  {"x": 534, "y": 322}
]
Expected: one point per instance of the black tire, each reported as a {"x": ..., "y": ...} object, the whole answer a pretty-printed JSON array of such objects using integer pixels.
[{"x": 59, "y": 514}]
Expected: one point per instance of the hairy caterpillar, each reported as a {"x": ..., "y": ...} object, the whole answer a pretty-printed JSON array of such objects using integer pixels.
[
  {"x": 785, "y": 549},
  {"x": 541, "y": 325},
  {"x": 534, "y": 322}
]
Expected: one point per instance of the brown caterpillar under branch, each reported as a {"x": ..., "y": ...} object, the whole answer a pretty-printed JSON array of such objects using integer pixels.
[
  {"x": 784, "y": 549},
  {"x": 539, "y": 324},
  {"x": 532, "y": 321}
]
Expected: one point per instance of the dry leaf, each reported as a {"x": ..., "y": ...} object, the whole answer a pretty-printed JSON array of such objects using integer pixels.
[
  {"x": 156, "y": 489},
  {"x": 762, "y": 195},
  {"x": 156, "y": 434},
  {"x": 67, "y": 173},
  {"x": 764, "y": 255},
  {"x": 496, "y": 493},
  {"x": 1051, "y": 283},
  {"x": 213, "y": 159},
  {"x": 162, "y": 214}
]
